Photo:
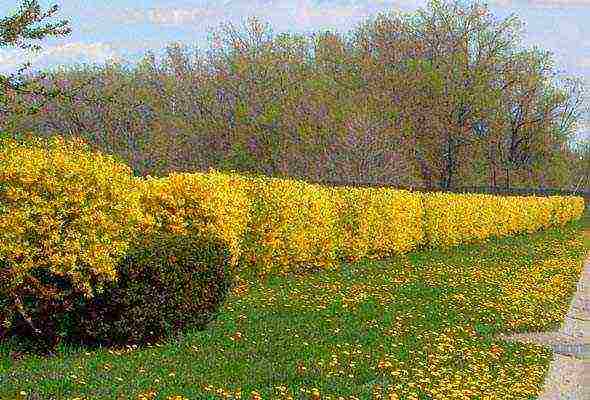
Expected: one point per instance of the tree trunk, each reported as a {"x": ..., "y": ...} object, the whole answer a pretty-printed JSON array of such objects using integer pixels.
[
  {"x": 449, "y": 172},
  {"x": 493, "y": 179},
  {"x": 493, "y": 183},
  {"x": 424, "y": 171},
  {"x": 507, "y": 178}
]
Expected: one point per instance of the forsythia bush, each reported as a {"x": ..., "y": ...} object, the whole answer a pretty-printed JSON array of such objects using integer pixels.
[
  {"x": 452, "y": 219},
  {"x": 378, "y": 222},
  {"x": 202, "y": 203},
  {"x": 78, "y": 223},
  {"x": 292, "y": 224},
  {"x": 296, "y": 224},
  {"x": 70, "y": 218},
  {"x": 64, "y": 211},
  {"x": 76, "y": 214},
  {"x": 63, "y": 207}
]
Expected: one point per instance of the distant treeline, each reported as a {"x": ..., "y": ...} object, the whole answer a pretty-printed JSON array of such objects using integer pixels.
[{"x": 439, "y": 98}]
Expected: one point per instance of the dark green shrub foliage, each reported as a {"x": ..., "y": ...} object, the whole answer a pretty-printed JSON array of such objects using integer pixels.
[
  {"x": 172, "y": 283},
  {"x": 165, "y": 285}
]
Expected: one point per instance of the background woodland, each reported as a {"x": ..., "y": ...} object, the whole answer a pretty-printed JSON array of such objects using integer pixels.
[{"x": 441, "y": 98}]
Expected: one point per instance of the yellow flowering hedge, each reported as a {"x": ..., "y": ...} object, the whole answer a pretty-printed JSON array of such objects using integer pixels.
[
  {"x": 65, "y": 209},
  {"x": 206, "y": 203},
  {"x": 296, "y": 224},
  {"x": 267, "y": 222},
  {"x": 66, "y": 219},
  {"x": 292, "y": 224},
  {"x": 377, "y": 222},
  {"x": 451, "y": 219}
]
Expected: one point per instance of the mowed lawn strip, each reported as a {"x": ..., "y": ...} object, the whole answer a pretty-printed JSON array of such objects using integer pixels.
[{"x": 418, "y": 326}]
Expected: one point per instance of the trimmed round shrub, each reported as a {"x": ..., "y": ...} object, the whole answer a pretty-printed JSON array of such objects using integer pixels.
[
  {"x": 166, "y": 285},
  {"x": 67, "y": 216}
]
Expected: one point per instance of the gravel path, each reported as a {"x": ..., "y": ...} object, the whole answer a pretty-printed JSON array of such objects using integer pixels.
[{"x": 569, "y": 374}]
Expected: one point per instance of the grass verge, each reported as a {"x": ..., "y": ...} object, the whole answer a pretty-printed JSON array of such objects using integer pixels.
[{"x": 418, "y": 326}]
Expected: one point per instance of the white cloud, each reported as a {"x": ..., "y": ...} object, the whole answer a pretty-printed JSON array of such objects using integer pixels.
[
  {"x": 560, "y": 3},
  {"x": 500, "y": 3},
  {"x": 71, "y": 53},
  {"x": 303, "y": 12},
  {"x": 180, "y": 16},
  {"x": 342, "y": 13},
  {"x": 9, "y": 60},
  {"x": 168, "y": 16}
]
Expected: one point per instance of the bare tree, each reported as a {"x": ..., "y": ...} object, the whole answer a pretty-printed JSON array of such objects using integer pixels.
[
  {"x": 536, "y": 119},
  {"x": 458, "y": 80},
  {"x": 444, "y": 61}
]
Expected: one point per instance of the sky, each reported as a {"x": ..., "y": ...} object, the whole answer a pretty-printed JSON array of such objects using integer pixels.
[{"x": 124, "y": 30}]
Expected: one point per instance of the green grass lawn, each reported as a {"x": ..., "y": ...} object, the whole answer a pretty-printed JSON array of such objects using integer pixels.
[{"x": 419, "y": 326}]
